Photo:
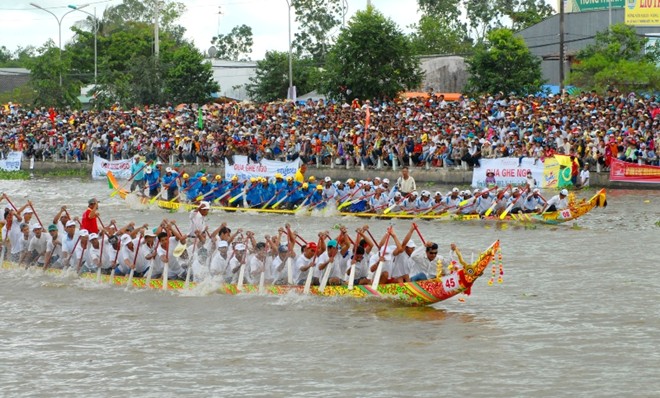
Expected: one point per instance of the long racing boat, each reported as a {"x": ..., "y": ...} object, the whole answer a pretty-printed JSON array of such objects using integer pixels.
[
  {"x": 577, "y": 208},
  {"x": 412, "y": 293}
]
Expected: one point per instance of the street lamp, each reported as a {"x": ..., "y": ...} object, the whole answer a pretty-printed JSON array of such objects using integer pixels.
[
  {"x": 59, "y": 26},
  {"x": 96, "y": 31}
]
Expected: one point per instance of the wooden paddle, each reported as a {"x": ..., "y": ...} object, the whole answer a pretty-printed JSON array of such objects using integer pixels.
[
  {"x": 242, "y": 193},
  {"x": 310, "y": 271},
  {"x": 389, "y": 209},
  {"x": 513, "y": 203},
  {"x": 80, "y": 260},
  {"x": 492, "y": 207},
  {"x": 98, "y": 270},
  {"x": 186, "y": 285},
  {"x": 114, "y": 264},
  {"x": 379, "y": 269},
  {"x": 166, "y": 264},
  {"x": 351, "y": 274},
  {"x": 129, "y": 282},
  {"x": 279, "y": 202}
]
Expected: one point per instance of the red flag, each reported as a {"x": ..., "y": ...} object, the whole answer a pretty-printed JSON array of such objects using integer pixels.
[{"x": 368, "y": 119}]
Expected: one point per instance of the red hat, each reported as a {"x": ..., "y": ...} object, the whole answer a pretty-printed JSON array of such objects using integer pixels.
[{"x": 312, "y": 246}]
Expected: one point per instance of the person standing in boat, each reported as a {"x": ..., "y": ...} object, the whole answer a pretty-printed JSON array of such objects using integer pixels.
[
  {"x": 406, "y": 183},
  {"x": 198, "y": 219},
  {"x": 557, "y": 202},
  {"x": 90, "y": 217},
  {"x": 300, "y": 174}
]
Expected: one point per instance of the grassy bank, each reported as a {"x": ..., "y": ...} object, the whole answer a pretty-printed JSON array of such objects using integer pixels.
[{"x": 26, "y": 175}]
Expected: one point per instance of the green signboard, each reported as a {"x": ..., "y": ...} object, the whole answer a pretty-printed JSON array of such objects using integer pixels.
[{"x": 592, "y": 5}]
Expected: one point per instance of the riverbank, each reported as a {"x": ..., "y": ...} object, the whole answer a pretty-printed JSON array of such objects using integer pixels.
[{"x": 443, "y": 175}]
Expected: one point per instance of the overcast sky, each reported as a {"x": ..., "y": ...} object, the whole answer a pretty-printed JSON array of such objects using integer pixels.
[{"x": 22, "y": 25}]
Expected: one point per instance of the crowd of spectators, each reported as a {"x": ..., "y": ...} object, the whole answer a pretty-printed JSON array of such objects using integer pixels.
[{"x": 421, "y": 131}]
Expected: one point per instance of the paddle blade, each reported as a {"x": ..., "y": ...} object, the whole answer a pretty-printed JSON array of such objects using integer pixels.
[
  {"x": 389, "y": 209},
  {"x": 506, "y": 211},
  {"x": 308, "y": 281},
  {"x": 343, "y": 204},
  {"x": 490, "y": 209},
  {"x": 379, "y": 270},
  {"x": 351, "y": 277}
]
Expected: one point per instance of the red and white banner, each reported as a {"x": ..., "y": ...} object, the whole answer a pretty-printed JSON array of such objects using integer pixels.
[
  {"x": 633, "y": 172},
  {"x": 508, "y": 171},
  {"x": 244, "y": 170},
  {"x": 120, "y": 168}
]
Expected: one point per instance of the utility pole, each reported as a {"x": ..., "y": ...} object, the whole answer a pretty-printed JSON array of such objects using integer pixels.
[
  {"x": 156, "y": 41},
  {"x": 291, "y": 92},
  {"x": 561, "y": 47}
]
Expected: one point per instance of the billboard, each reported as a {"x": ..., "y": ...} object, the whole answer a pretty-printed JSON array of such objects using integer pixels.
[
  {"x": 642, "y": 12},
  {"x": 592, "y": 5}
]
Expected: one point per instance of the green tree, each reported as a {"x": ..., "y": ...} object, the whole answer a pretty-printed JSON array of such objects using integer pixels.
[
  {"x": 316, "y": 21},
  {"x": 618, "y": 58},
  {"x": 234, "y": 46},
  {"x": 371, "y": 58},
  {"x": 144, "y": 11},
  {"x": 525, "y": 13},
  {"x": 503, "y": 63},
  {"x": 446, "y": 9},
  {"x": 5, "y": 55},
  {"x": 188, "y": 77},
  {"x": 272, "y": 76},
  {"x": 45, "y": 71},
  {"x": 439, "y": 36}
]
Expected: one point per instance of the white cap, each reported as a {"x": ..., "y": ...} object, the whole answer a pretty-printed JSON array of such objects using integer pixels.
[
  {"x": 414, "y": 193},
  {"x": 93, "y": 236},
  {"x": 536, "y": 190},
  {"x": 438, "y": 193},
  {"x": 327, "y": 179},
  {"x": 125, "y": 239},
  {"x": 83, "y": 232},
  {"x": 454, "y": 189},
  {"x": 148, "y": 170},
  {"x": 36, "y": 226},
  {"x": 397, "y": 194},
  {"x": 426, "y": 193},
  {"x": 70, "y": 223},
  {"x": 168, "y": 170},
  {"x": 386, "y": 181},
  {"x": 411, "y": 244},
  {"x": 240, "y": 246},
  {"x": 564, "y": 192},
  {"x": 28, "y": 211},
  {"x": 149, "y": 232},
  {"x": 485, "y": 190},
  {"x": 204, "y": 205},
  {"x": 222, "y": 243},
  {"x": 516, "y": 189}
]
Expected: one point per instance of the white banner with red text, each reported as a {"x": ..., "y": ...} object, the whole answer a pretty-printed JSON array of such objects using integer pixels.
[
  {"x": 244, "y": 169},
  {"x": 508, "y": 171},
  {"x": 12, "y": 162},
  {"x": 120, "y": 168}
]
